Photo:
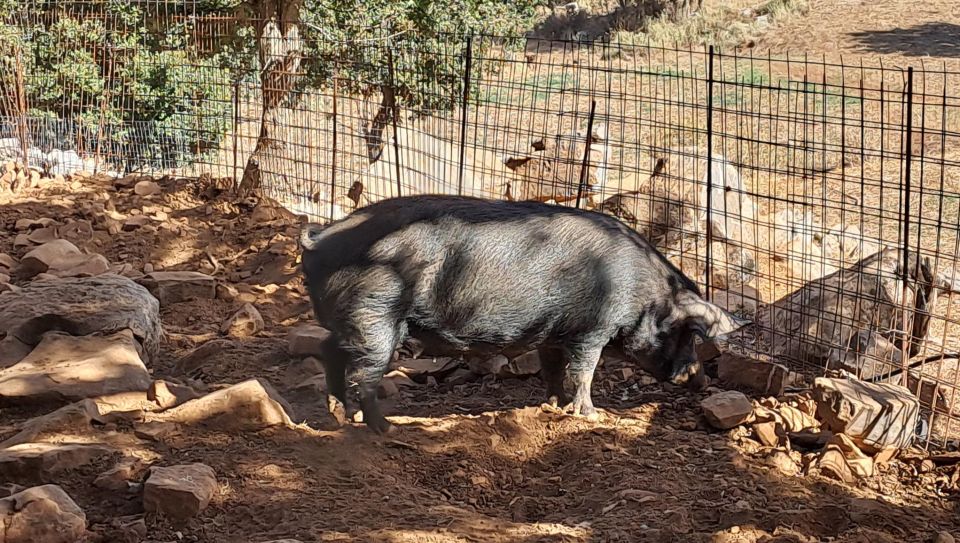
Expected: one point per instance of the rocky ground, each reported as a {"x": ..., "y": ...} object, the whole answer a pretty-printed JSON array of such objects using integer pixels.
[{"x": 140, "y": 405}]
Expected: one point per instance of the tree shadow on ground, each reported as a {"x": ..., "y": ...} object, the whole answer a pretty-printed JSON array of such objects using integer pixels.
[{"x": 926, "y": 40}]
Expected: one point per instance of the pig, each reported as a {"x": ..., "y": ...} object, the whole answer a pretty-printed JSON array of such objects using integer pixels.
[{"x": 468, "y": 275}]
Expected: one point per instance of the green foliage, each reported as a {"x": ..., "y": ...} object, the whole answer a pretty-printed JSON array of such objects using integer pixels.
[
  {"x": 154, "y": 80},
  {"x": 427, "y": 38}
]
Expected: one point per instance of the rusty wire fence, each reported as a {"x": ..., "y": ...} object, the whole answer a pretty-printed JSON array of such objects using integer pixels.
[{"x": 821, "y": 200}]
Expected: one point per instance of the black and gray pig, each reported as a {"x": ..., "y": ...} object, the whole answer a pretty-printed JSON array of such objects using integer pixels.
[{"x": 475, "y": 276}]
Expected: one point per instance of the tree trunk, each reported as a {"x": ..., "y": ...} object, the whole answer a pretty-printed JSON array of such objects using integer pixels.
[{"x": 280, "y": 50}]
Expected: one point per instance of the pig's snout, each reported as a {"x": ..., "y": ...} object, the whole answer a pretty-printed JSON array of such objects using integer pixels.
[{"x": 691, "y": 375}]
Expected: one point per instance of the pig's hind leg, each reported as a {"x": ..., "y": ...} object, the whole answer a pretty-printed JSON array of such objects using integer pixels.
[
  {"x": 371, "y": 353},
  {"x": 583, "y": 360}
]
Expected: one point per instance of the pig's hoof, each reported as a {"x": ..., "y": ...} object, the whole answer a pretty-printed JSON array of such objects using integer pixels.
[
  {"x": 337, "y": 409},
  {"x": 587, "y": 411},
  {"x": 381, "y": 426}
]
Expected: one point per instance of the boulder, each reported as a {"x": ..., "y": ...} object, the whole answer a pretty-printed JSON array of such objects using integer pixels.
[
  {"x": 42, "y": 514},
  {"x": 245, "y": 322},
  {"x": 250, "y": 405},
  {"x": 146, "y": 188},
  {"x": 725, "y": 410},
  {"x": 55, "y": 255},
  {"x": 171, "y": 287},
  {"x": 7, "y": 261},
  {"x": 193, "y": 362},
  {"x": 307, "y": 340},
  {"x": 179, "y": 492},
  {"x": 167, "y": 395},
  {"x": 41, "y": 236},
  {"x": 875, "y": 416},
  {"x": 72, "y": 368},
  {"x": 12, "y": 350},
  {"x": 764, "y": 377},
  {"x": 80, "y": 306},
  {"x": 121, "y": 475},
  {"x": 488, "y": 366},
  {"x": 82, "y": 266},
  {"x": 45, "y": 460},
  {"x": 526, "y": 364}
]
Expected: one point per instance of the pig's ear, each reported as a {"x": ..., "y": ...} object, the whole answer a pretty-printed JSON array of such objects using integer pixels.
[{"x": 707, "y": 319}]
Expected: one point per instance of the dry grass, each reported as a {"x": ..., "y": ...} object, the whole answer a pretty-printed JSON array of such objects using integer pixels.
[{"x": 729, "y": 24}]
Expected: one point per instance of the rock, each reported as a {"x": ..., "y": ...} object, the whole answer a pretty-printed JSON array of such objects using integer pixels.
[
  {"x": 298, "y": 372},
  {"x": 860, "y": 464},
  {"x": 307, "y": 340},
  {"x": 401, "y": 379},
  {"x": 41, "y": 236},
  {"x": 770, "y": 434},
  {"x": 69, "y": 418},
  {"x": 155, "y": 431},
  {"x": 488, "y": 366},
  {"x": 425, "y": 366},
  {"x": 171, "y": 287},
  {"x": 944, "y": 537},
  {"x": 56, "y": 255},
  {"x": 4, "y": 279},
  {"x": 103, "y": 304},
  {"x": 121, "y": 475},
  {"x": 795, "y": 420},
  {"x": 21, "y": 240},
  {"x": 707, "y": 350},
  {"x": 744, "y": 299},
  {"x": 284, "y": 541},
  {"x": 244, "y": 323},
  {"x": 82, "y": 266},
  {"x": 224, "y": 292},
  {"x": 179, "y": 492},
  {"x": 71, "y": 368},
  {"x": 7, "y": 261},
  {"x": 44, "y": 460},
  {"x": 525, "y": 364},
  {"x": 146, "y": 188},
  {"x": 459, "y": 376},
  {"x": 12, "y": 350},
  {"x": 193, "y": 362},
  {"x": 831, "y": 463},
  {"x": 167, "y": 395},
  {"x": 763, "y": 377},
  {"x": 783, "y": 463},
  {"x": 135, "y": 223},
  {"x": 874, "y": 416},
  {"x": 42, "y": 514},
  {"x": 250, "y": 405},
  {"x": 725, "y": 410}
]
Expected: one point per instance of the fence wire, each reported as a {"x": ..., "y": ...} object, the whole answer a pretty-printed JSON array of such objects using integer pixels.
[{"x": 819, "y": 199}]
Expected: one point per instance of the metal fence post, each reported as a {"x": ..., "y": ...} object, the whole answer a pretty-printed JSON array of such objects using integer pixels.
[
  {"x": 463, "y": 118},
  {"x": 586, "y": 153},
  {"x": 708, "y": 268},
  {"x": 394, "y": 113},
  {"x": 905, "y": 217},
  {"x": 333, "y": 152}
]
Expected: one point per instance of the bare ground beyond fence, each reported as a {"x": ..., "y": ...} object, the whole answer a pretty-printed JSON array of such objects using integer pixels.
[{"x": 820, "y": 199}]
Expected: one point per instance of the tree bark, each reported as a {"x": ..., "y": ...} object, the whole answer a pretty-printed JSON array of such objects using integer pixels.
[{"x": 280, "y": 51}]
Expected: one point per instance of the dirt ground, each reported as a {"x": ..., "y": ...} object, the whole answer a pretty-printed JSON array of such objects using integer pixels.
[{"x": 474, "y": 459}]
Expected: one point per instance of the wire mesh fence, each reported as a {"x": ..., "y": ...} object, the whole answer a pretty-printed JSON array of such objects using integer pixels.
[{"x": 820, "y": 199}]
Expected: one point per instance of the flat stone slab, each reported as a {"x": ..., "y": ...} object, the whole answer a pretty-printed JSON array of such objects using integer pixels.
[{"x": 81, "y": 306}]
